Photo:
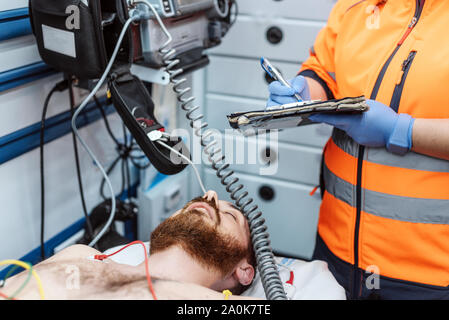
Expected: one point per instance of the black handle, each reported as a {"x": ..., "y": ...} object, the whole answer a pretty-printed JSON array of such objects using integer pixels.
[
  {"x": 266, "y": 193},
  {"x": 136, "y": 108},
  {"x": 269, "y": 155},
  {"x": 268, "y": 78},
  {"x": 274, "y": 35}
]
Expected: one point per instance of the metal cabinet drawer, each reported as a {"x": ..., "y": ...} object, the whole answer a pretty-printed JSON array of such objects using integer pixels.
[
  {"x": 264, "y": 156},
  {"x": 18, "y": 52},
  {"x": 291, "y": 214},
  {"x": 242, "y": 77},
  {"x": 219, "y": 106},
  {"x": 280, "y": 39},
  {"x": 296, "y": 9}
]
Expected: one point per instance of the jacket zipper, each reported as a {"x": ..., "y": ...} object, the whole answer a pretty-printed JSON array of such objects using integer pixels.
[
  {"x": 357, "y": 277},
  {"x": 397, "y": 94}
]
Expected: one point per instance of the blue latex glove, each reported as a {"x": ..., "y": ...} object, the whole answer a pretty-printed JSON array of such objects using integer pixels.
[
  {"x": 280, "y": 94},
  {"x": 380, "y": 126}
]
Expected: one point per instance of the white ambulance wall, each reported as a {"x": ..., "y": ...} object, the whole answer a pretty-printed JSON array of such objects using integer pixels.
[{"x": 21, "y": 107}]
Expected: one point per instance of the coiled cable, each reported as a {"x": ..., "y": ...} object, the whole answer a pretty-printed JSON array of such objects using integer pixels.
[{"x": 272, "y": 284}]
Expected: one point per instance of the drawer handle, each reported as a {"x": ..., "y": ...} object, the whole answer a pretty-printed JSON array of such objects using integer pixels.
[
  {"x": 266, "y": 193},
  {"x": 268, "y": 78},
  {"x": 274, "y": 35},
  {"x": 269, "y": 155}
]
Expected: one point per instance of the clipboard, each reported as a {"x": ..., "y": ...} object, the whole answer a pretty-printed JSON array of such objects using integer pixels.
[{"x": 294, "y": 114}]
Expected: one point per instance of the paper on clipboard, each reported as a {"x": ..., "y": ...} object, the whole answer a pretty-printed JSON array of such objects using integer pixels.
[{"x": 294, "y": 114}]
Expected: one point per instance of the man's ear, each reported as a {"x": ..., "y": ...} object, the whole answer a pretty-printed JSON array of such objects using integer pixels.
[{"x": 244, "y": 273}]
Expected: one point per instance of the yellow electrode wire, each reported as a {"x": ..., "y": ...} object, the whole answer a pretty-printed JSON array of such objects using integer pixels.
[
  {"x": 27, "y": 267},
  {"x": 227, "y": 294}
]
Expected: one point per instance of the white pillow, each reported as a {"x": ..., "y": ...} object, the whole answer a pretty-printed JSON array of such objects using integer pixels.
[
  {"x": 133, "y": 255},
  {"x": 302, "y": 281}
]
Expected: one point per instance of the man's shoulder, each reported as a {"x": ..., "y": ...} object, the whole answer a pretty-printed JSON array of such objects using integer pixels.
[{"x": 75, "y": 251}]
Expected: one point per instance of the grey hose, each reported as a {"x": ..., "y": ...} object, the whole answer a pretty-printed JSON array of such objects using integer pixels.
[{"x": 271, "y": 281}]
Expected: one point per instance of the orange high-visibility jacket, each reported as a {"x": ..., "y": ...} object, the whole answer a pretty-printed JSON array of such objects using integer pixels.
[{"x": 380, "y": 209}]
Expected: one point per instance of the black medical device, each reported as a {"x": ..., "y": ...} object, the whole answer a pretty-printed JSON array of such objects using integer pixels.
[{"x": 78, "y": 37}]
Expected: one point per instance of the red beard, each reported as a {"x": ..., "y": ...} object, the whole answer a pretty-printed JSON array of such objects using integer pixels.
[{"x": 199, "y": 239}]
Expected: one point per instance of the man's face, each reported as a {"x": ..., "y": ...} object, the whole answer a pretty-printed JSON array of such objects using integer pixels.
[
  {"x": 214, "y": 232},
  {"x": 227, "y": 218}
]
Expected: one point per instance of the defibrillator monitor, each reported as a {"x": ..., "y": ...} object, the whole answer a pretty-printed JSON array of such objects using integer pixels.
[
  {"x": 172, "y": 8},
  {"x": 195, "y": 25},
  {"x": 103, "y": 39}
]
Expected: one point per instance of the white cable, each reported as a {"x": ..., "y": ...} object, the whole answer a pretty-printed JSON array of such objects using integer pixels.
[
  {"x": 186, "y": 159},
  {"x": 169, "y": 39},
  {"x": 91, "y": 154},
  {"x": 159, "y": 20}
]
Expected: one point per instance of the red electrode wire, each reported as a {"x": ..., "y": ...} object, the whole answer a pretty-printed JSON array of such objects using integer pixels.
[
  {"x": 292, "y": 278},
  {"x": 313, "y": 191},
  {"x": 150, "y": 284},
  {"x": 4, "y": 296}
]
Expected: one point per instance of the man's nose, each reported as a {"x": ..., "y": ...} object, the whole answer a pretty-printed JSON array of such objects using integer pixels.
[{"x": 211, "y": 196}]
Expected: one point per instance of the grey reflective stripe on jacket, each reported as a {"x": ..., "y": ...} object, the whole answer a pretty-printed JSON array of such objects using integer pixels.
[
  {"x": 384, "y": 205},
  {"x": 388, "y": 206},
  {"x": 411, "y": 160}
]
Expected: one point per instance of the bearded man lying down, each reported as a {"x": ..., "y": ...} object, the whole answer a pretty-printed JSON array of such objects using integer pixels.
[{"x": 200, "y": 251}]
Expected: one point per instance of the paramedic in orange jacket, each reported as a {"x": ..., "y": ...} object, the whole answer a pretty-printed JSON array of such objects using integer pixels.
[{"x": 384, "y": 217}]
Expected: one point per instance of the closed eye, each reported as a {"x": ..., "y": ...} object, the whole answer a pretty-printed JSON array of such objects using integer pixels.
[{"x": 231, "y": 215}]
